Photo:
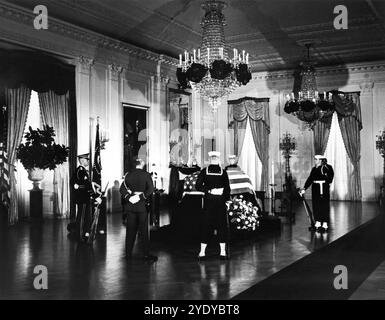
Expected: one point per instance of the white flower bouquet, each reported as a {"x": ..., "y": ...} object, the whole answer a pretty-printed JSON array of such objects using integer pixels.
[{"x": 243, "y": 215}]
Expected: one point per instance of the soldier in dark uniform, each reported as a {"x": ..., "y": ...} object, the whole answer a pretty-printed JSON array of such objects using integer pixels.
[
  {"x": 214, "y": 182},
  {"x": 233, "y": 160},
  {"x": 81, "y": 184},
  {"x": 135, "y": 189},
  {"x": 321, "y": 176}
]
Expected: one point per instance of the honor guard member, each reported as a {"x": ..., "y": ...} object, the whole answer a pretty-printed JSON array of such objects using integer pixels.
[
  {"x": 135, "y": 189},
  {"x": 82, "y": 188},
  {"x": 233, "y": 160},
  {"x": 214, "y": 182},
  {"x": 321, "y": 176}
]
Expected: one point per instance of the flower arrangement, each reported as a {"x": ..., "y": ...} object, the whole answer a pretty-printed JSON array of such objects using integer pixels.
[
  {"x": 243, "y": 214},
  {"x": 40, "y": 150}
]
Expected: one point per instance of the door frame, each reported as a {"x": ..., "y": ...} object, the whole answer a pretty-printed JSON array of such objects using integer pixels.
[{"x": 146, "y": 109}]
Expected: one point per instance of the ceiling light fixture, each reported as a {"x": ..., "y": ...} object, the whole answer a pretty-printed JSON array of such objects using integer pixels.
[{"x": 209, "y": 69}]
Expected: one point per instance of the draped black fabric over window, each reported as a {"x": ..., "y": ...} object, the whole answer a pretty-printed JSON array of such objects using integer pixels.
[{"x": 37, "y": 71}]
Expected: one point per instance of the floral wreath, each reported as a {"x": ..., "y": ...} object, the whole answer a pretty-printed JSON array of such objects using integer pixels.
[{"x": 243, "y": 215}]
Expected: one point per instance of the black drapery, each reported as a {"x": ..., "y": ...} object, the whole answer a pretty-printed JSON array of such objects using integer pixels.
[{"x": 41, "y": 72}]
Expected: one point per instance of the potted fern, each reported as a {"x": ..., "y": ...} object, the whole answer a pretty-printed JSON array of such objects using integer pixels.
[{"x": 40, "y": 152}]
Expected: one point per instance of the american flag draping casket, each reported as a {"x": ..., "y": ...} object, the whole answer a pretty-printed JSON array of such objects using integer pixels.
[{"x": 239, "y": 182}]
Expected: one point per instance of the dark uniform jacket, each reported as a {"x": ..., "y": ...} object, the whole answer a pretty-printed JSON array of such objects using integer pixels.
[
  {"x": 136, "y": 181},
  {"x": 213, "y": 177},
  {"x": 322, "y": 173},
  {"x": 82, "y": 178}
]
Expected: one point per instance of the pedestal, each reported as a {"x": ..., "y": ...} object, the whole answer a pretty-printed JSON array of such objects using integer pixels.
[
  {"x": 272, "y": 198},
  {"x": 102, "y": 222},
  {"x": 36, "y": 202},
  {"x": 155, "y": 209}
]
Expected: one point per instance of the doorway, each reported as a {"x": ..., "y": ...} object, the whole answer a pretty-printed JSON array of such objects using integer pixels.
[{"x": 135, "y": 135}]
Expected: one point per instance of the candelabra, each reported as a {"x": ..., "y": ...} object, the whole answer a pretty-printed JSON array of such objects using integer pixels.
[
  {"x": 380, "y": 146},
  {"x": 287, "y": 145}
]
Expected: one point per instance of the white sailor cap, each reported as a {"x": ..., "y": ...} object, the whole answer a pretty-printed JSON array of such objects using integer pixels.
[
  {"x": 232, "y": 156},
  {"x": 319, "y": 157},
  {"x": 214, "y": 154}
]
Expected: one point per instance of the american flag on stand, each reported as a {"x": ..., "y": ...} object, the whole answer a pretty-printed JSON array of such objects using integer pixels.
[
  {"x": 97, "y": 167},
  {"x": 4, "y": 171}
]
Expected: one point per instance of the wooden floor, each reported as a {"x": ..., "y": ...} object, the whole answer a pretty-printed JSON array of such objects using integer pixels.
[{"x": 77, "y": 271}]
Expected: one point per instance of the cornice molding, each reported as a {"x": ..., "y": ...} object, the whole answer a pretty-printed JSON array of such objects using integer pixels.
[
  {"x": 324, "y": 71},
  {"x": 20, "y": 15}
]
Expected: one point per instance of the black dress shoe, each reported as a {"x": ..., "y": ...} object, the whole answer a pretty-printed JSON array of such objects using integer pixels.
[
  {"x": 312, "y": 228},
  {"x": 150, "y": 258},
  {"x": 225, "y": 257},
  {"x": 201, "y": 258},
  {"x": 320, "y": 230}
]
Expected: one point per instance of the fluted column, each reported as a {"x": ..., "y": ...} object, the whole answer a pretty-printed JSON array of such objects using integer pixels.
[
  {"x": 83, "y": 101},
  {"x": 367, "y": 134},
  {"x": 158, "y": 128}
]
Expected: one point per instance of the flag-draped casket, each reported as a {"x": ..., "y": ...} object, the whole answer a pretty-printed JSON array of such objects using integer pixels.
[{"x": 239, "y": 182}]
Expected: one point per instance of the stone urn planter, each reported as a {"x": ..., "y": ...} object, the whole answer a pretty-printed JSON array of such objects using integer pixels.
[{"x": 36, "y": 175}]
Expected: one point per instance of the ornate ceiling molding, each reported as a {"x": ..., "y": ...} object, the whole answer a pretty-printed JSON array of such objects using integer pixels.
[
  {"x": 378, "y": 66},
  {"x": 21, "y": 15},
  {"x": 311, "y": 30}
]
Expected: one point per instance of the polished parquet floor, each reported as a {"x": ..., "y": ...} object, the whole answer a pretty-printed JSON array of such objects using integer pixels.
[{"x": 78, "y": 271}]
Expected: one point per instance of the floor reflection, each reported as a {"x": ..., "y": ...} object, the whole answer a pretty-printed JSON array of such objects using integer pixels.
[{"x": 79, "y": 271}]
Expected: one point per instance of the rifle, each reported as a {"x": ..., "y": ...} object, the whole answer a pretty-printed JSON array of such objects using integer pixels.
[
  {"x": 95, "y": 220},
  {"x": 309, "y": 213}
]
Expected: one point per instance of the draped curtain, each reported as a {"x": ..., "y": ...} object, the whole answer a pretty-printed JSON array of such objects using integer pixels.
[
  {"x": 55, "y": 113},
  {"x": 350, "y": 121},
  {"x": 256, "y": 110},
  {"x": 338, "y": 158},
  {"x": 321, "y": 132},
  {"x": 249, "y": 160},
  {"x": 17, "y": 102},
  {"x": 239, "y": 135},
  {"x": 39, "y": 72},
  {"x": 348, "y": 110}
]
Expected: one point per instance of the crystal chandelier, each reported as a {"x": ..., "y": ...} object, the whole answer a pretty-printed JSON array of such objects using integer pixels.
[
  {"x": 209, "y": 69},
  {"x": 308, "y": 104}
]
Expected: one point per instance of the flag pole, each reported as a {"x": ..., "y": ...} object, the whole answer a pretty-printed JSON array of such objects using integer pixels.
[{"x": 90, "y": 147}]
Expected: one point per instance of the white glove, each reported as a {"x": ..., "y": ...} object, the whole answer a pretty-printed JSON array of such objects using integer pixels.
[
  {"x": 134, "y": 199},
  {"x": 98, "y": 200},
  {"x": 302, "y": 192},
  {"x": 76, "y": 186},
  {"x": 217, "y": 191}
]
